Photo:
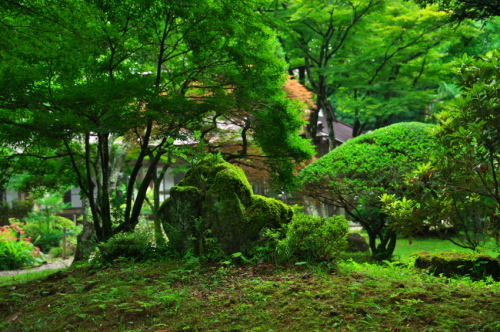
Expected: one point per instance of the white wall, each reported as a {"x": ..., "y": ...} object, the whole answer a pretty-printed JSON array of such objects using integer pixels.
[
  {"x": 11, "y": 195},
  {"x": 167, "y": 183},
  {"x": 76, "y": 201}
]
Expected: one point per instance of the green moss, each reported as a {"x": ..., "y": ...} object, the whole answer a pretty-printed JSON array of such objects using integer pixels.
[
  {"x": 452, "y": 264},
  {"x": 263, "y": 209},
  {"x": 179, "y": 214},
  {"x": 233, "y": 179},
  {"x": 204, "y": 174}
]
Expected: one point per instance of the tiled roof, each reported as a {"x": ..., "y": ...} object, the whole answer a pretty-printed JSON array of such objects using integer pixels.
[{"x": 343, "y": 131}]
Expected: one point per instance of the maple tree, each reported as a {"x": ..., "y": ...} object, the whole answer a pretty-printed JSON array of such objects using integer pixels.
[
  {"x": 82, "y": 76},
  {"x": 465, "y": 9}
]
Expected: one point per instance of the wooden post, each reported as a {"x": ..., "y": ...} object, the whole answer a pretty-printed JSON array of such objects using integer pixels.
[{"x": 64, "y": 244}]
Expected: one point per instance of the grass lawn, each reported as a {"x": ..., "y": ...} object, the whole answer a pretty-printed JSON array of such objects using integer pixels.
[{"x": 430, "y": 245}]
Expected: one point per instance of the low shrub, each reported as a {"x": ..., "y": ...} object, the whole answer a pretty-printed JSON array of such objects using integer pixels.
[
  {"x": 47, "y": 231},
  {"x": 451, "y": 264},
  {"x": 266, "y": 248},
  {"x": 56, "y": 252},
  {"x": 136, "y": 246},
  {"x": 312, "y": 238},
  {"x": 16, "y": 251}
]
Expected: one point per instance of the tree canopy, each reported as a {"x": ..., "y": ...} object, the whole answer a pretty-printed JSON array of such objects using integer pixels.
[
  {"x": 370, "y": 63},
  {"x": 98, "y": 85},
  {"x": 465, "y": 9},
  {"x": 81, "y": 76}
]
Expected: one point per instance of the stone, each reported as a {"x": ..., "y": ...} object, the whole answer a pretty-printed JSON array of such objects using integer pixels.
[
  {"x": 457, "y": 263},
  {"x": 216, "y": 201},
  {"x": 357, "y": 243}
]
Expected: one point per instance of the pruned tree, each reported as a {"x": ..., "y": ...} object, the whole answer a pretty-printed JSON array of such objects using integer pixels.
[{"x": 356, "y": 174}]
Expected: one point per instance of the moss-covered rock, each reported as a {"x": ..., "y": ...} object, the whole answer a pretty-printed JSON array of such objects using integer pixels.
[
  {"x": 357, "y": 243},
  {"x": 215, "y": 200},
  {"x": 451, "y": 264},
  {"x": 180, "y": 214}
]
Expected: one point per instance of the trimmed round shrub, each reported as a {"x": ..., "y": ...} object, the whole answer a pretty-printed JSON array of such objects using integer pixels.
[
  {"x": 356, "y": 174},
  {"x": 312, "y": 238},
  {"x": 55, "y": 251},
  {"x": 136, "y": 246}
]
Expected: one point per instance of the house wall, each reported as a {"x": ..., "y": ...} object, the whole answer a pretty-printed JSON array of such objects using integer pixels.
[
  {"x": 74, "y": 198},
  {"x": 9, "y": 196},
  {"x": 167, "y": 183}
]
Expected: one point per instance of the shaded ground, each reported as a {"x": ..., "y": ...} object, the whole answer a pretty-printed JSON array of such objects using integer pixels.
[{"x": 188, "y": 296}]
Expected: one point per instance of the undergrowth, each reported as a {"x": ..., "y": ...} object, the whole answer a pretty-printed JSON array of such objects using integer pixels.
[{"x": 192, "y": 296}]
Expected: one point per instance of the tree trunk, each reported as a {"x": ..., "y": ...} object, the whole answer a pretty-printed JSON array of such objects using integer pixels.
[
  {"x": 330, "y": 119},
  {"x": 159, "y": 236},
  {"x": 86, "y": 239},
  {"x": 326, "y": 106}
]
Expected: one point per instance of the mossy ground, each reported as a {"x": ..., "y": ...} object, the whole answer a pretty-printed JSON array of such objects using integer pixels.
[{"x": 188, "y": 296}]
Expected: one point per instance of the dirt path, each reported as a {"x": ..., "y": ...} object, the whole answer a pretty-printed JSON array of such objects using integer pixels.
[{"x": 51, "y": 266}]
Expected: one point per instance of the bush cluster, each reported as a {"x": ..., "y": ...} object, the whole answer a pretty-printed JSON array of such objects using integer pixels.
[
  {"x": 47, "y": 230},
  {"x": 57, "y": 252},
  {"x": 136, "y": 246},
  {"x": 15, "y": 250},
  {"x": 312, "y": 238},
  {"x": 451, "y": 264}
]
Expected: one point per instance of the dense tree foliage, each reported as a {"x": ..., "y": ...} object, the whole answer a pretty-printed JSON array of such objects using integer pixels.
[
  {"x": 356, "y": 174},
  {"x": 81, "y": 76},
  {"x": 459, "y": 186},
  {"x": 464, "y": 9},
  {"x": 91, "y": 89},
  {"x": 388, "y": 72},
  {"x": 370, "y": 62},
  {"x": 314, "y": 33}
]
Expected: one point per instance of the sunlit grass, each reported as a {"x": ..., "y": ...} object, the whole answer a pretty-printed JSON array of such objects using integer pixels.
[
  {"x": 404, "y": 248},
  {"x": 432, "y": 246}
]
